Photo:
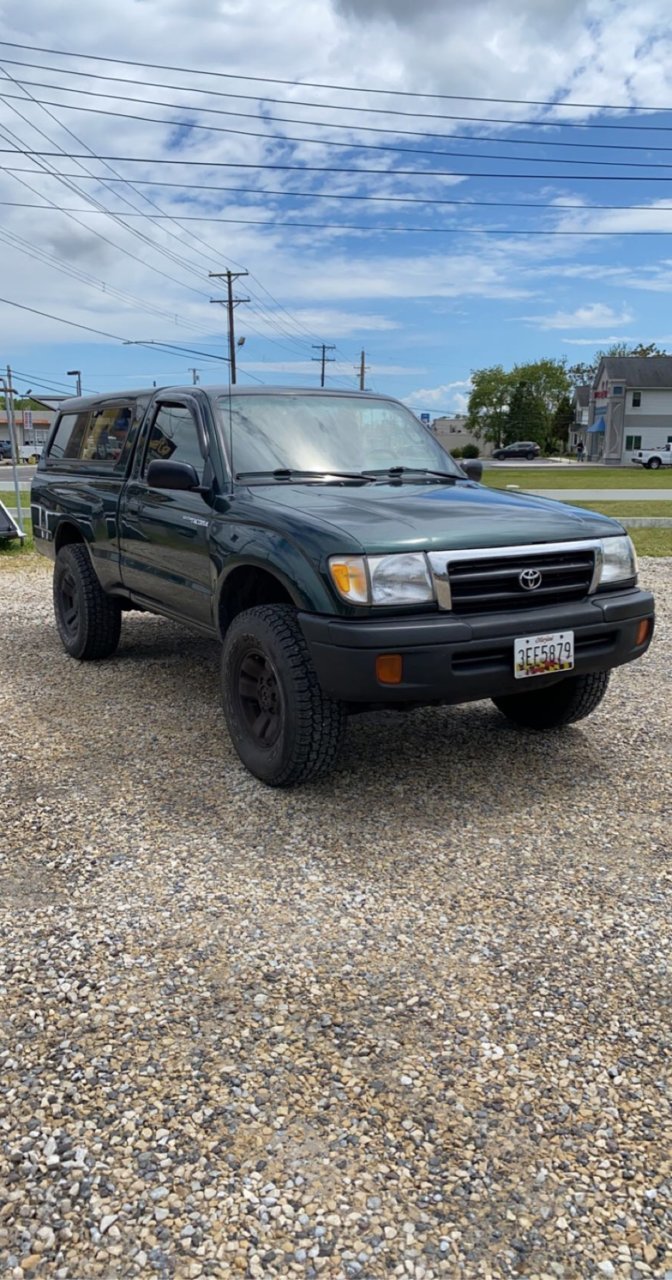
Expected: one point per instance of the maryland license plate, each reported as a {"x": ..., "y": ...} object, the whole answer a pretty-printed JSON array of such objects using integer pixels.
[{"x": 542, "y": 655}]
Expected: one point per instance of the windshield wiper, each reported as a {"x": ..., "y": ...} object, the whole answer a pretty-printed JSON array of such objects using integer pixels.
[
  {"x": 398, "y": 473},
  {"x": 289, "y": 473}
]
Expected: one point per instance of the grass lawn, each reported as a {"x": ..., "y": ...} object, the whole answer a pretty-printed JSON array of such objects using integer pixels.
[
  {"x": 8, "y": 498},
  {"x": 652, "y": 542},
  {"x": 616, "y": 508},
  {"x": 579, "y": 478}
]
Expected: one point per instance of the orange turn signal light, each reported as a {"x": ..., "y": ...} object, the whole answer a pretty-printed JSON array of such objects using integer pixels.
[
  {"x": 389, "y": 668},
  {"x": 643, "y": 631}
]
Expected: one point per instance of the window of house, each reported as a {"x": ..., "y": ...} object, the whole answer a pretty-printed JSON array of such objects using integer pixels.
[
  {"x": 636, "y": 399},
  {"x": 617, "y": 391},
  {"x": 632, "y": 442},
  {"x": 174, "y": 438}
]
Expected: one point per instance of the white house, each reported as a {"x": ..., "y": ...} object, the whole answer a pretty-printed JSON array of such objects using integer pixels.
[{"x": 630, "y": 407}]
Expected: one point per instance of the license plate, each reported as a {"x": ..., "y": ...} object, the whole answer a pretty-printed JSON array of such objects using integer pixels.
[{"x": 542, "y": 655}]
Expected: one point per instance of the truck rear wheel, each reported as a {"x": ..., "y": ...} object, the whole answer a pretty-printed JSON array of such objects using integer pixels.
[
  {"x": 88, "y": 620},
  {"x": 564, "y": 703},
  {"x": 284, "y": 728}
]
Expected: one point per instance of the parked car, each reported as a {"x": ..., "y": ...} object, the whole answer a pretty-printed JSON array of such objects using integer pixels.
[
  {"x": 5, "y": 451},
  {"x": 344, "y": 561},
  {"x": 520, "y": 449},
  {"x": 654, "y": 458}
]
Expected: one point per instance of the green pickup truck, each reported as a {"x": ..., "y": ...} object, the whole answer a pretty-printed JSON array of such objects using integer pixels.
[{"x": 344, "y": 560}]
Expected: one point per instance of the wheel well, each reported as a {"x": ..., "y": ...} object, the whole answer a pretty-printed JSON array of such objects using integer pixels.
[
  {"x": 65, "y": 534},
  {"x": 247, "y": 587}
]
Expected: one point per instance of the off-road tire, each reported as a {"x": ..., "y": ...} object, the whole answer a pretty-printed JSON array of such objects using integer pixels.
[
  {"x": 88, "y": 620},
  {"x": 564, "y": 703},
  {"x": 284, "y": 728}
]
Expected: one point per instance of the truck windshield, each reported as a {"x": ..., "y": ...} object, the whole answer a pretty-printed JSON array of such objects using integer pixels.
[{"x": 314, "y": 433}]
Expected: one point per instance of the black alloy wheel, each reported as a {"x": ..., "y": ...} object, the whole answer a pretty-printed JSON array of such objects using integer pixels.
[
  {"x": 285, "y": 729},
  {"x": 259, "y": 697}
]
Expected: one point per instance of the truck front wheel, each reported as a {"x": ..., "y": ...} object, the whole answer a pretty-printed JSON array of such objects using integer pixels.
[
  {"x": 564, "y": 703},
  {"x": 653, "y": 464},
  {"x": 88, "y": 620},
  {"x": 284, "y": 728}
]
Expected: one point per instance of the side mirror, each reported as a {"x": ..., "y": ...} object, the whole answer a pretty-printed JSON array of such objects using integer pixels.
[
  {"x": 172, "y": 475},
  {"x": 473, "y": 468}
]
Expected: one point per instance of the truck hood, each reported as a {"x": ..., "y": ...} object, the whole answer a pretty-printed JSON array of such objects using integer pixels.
[{"x": 425, "y": 517}]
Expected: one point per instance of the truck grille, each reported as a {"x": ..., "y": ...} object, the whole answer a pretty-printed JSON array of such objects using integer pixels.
[{"x": 486, "y": 585}]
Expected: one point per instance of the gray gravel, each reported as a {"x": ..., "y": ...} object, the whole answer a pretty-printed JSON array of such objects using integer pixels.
[{"x": 412, "y": 1021}]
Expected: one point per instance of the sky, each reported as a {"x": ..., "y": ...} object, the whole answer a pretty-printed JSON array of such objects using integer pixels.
[{"x": 391, "y": 176}]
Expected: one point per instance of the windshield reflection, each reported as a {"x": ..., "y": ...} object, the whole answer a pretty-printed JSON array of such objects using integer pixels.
[{"x": 327, "y": 433}]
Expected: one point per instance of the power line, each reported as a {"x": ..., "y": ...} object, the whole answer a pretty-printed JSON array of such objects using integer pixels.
[
  {"x": 321, "y": 142},
  {"x": 344, "y": 88},
  {"x": 338, "y": 195},
  {"x": 330, "y": 124},
  {"x": 350, "y": 107},
  {"x": 363, "y": 226},
  {"x": 381, "y": 173},
  {"x": 170, "y": 255}
]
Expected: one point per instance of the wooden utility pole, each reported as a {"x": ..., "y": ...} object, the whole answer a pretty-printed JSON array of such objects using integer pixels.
[
  {"x": 323, "y": 359},
  {"x": 363, "y": 370},
  {"x": 230, "y": 303}
]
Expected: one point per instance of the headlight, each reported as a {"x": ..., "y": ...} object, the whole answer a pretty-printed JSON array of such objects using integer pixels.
[
  {"x": 398, "y": 579},
  {"x": 619, "y": 561}
]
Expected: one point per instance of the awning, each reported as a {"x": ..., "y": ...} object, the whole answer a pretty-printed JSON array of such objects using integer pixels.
[{"x": 598, "y": 428}]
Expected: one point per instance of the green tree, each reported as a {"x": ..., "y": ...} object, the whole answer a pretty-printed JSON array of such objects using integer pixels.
[
  {"x": 563, "y": 419},
  {"x": 488, "y": 409},
  {"x": 548, "y": 379},
  {"x": 528, "y": 415}
]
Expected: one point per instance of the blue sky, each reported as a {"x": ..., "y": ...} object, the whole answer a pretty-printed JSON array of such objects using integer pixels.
[{"x": 107, "y": 244}]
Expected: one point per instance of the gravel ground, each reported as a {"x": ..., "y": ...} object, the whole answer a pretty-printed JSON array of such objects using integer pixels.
[{"x": 412, "y": 1021}]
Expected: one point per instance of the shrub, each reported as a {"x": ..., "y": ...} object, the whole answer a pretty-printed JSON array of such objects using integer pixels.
[
  {"x": 470, "y": 451},
  {"x": 456, "y": 453}
]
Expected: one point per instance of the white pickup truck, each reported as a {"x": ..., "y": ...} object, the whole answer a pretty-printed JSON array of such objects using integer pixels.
[{"x": 654, "y": 458}]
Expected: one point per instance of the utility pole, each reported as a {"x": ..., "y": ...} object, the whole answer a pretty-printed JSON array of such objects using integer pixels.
[
  {"x": 363, "y": 370},
  {"x": 230, "y": 303},
  {"x": 76, "y": 373},
  {"x": 323, "y": 359},
  {"x": 194, "y": 376}
]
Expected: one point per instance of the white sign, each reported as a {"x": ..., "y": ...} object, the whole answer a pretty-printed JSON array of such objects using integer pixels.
[{"x": 27, "y": 419}]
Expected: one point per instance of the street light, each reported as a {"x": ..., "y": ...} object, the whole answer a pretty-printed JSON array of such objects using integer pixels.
[{"x": 76, "y": 373}]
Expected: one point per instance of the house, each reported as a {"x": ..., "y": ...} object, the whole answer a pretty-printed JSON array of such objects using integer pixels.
[
  {"x": 579, "y": 427},
  {"x": 630, "y": 407},
  {"x": 453, "y": 433}
]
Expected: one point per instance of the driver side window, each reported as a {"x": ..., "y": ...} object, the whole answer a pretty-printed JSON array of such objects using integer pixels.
[{"x": 174, "y": 437}]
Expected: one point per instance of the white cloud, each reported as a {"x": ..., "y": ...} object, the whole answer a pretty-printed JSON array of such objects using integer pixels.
[
  {"x": 596, "y": 342},
  {"x": 593, "y": 314},
  {"x": 448, "y": 397}
]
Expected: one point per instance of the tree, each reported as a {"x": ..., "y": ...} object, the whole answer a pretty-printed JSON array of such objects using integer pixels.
[
  {"x": 548, "y": 379},
  {"x": 528, "y": 415},
  {"x": 488, "y": 408},
  {"x": 563, "y": 419}
]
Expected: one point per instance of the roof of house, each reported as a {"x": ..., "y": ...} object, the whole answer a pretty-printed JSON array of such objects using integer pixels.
[
  {"x": 582, "y": 396},
  {"x": 637, "y": 371}
]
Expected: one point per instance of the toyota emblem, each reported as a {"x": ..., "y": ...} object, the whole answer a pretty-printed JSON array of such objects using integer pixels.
[{"x": 530, "y": 579}]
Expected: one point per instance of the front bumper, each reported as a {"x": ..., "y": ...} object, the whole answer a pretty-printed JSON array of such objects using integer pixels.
[{"x": 448, "y": 659}]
